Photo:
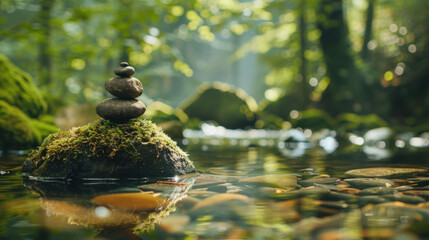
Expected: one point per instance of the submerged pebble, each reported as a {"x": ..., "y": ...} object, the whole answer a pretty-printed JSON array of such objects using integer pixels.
[
  {"x": 282, "y": 181},
  {"x": 377, "y": 191},
  {"x": 384, "y": 172},
  {"x": 363, "y": 183}
]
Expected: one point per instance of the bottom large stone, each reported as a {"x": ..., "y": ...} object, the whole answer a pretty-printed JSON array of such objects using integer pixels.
[
  {"x": 104, "y": 149},
  {"x": 120, "y": 110}
]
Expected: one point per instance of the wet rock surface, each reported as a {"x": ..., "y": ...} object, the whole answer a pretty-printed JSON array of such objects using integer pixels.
[
  {"x": 124, "y": 88},
  {"x": 108, "y": 150},
  {"x": 119, "y": 110},
  {"x": 124, "y": 70}
]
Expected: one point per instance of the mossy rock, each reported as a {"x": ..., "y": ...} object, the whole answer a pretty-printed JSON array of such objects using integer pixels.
[
  {"x": 314, "y": 119},
  {"x": 220, "y": 102},
  {"x": 169, "y": 119},
  {"x": 352, "y": 122},
  {"x": 16, "y": 129},
  {"x": 18, "y": 89},
  {"x": 104, "y": 149}
]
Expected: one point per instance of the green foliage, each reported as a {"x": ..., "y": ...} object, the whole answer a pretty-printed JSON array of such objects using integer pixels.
[
  {"x": 314, "y": 119},
  {"x": 229, "y": 107},
  {"x": 169, "y": 119},
  {"x": 270, "y": 121},
  {"x": 354, "y": 122},
  {"x": 159, "y": 112},
  {"x": 19, "y": 90},
  {"x": 282, "y": 106}
]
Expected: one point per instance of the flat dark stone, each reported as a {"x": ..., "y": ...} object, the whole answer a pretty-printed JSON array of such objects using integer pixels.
[
  {"x": 124, "y": 87},
  {"x": 119, "y": 110}
]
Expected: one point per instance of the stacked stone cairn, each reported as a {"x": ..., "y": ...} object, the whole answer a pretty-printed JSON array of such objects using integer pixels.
[{"x": 125, "y": 88}]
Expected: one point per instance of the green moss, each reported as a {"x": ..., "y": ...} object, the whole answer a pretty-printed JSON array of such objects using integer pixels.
[
  {"x": 108, "y": 146},
  {"x": 229, "y": 107},
  {"x": 44, "y": 128},
  {"x": 18, "y": 89},
  {"x": 16, "y": 129}
]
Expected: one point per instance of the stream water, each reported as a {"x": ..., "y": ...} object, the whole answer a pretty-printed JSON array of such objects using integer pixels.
[{"x": 245, "y": 189}]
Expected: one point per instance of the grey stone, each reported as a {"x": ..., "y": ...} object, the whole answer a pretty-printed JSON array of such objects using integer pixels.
[
  {"x": 118, "y": 110},
  {"x": 124, "y": 87},
  {"x": 124, "y": 70}
]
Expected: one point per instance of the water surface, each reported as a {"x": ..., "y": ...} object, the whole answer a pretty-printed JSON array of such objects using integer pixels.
[{"x": 220, "y": 203}]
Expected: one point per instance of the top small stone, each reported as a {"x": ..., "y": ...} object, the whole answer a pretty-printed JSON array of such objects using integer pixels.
[{"x": 124, "y": 70}]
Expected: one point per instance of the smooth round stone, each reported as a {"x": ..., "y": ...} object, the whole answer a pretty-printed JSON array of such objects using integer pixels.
[
  {"x": 363, "y": 183},
  {"x": 124, "y": 70},
  {"x": 384, "y": 172},
  {"x": 119, "y": 110},
  {"x": 125, "y": 88}
]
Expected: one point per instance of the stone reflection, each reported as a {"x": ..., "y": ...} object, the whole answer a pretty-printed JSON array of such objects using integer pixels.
[{"x": 122, "y": 210}]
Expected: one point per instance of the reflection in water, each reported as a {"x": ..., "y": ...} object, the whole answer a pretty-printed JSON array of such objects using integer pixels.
[{"x": 110, "y": 207}]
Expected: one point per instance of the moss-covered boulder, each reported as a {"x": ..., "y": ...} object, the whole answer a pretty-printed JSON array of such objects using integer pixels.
[
  {"x": 104, "y": 149},
  {"x": 22, "y": 123},
  {"x": 353, "y": 122},
  {"x": 220, "y": 102},
  {"x": 16, "y": 129},
  {"x": 314, "y": 119},
  {"x": 18, "y": 89}
]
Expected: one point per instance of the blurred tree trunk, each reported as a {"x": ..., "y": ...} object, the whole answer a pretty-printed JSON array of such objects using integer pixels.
[
  {"x": 368, "y": 29},
  {"x": 346, "y": 91},
  {"x": 302, "y": 23},
  {"x": 45, "y": 58}
]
